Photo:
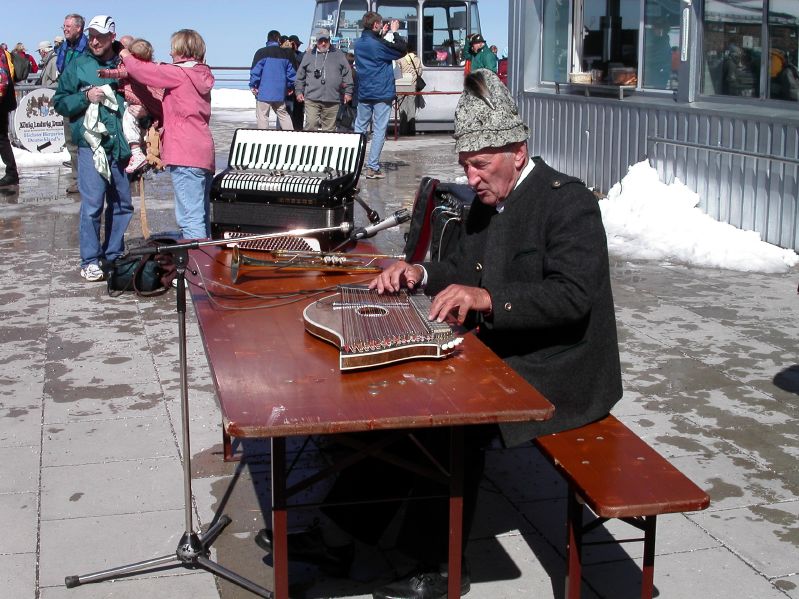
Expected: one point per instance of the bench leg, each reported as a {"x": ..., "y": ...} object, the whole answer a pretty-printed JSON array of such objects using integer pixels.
[
  {"x": 574, "y": 546},
  {"x": 648, "y": 570}
]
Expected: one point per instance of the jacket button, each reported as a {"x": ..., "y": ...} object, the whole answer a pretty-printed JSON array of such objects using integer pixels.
[
  {"x": 508, "y": 306},
  {"x": 556, "y": 184},
  {"x": 478, "y": 267}
]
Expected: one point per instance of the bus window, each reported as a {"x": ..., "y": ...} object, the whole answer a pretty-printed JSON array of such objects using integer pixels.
[
  {"x": 443, "y": 34},
  {"x": 345, "y": 23},
  {"x": 408, "y": 17}
]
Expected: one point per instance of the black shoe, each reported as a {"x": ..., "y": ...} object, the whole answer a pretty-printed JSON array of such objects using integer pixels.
[
  {"x": 9, "y": 180},
  {"x": 308, "y": 546},
  {"x": 422, "y": 585}
]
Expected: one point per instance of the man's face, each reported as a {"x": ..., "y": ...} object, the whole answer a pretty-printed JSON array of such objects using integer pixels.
[
  {"x": 322, "y": 44},
  {"x": 493, "y": 172},
  {"x": 100, "y": 43},
  {"x": 72, "y": 30}
]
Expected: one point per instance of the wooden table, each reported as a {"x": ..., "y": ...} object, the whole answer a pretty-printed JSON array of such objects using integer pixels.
[{"x": 275, "y": 380}]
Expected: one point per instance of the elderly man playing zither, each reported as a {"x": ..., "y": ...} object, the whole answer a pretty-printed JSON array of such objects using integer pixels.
[{"x": 531, "y": 274}]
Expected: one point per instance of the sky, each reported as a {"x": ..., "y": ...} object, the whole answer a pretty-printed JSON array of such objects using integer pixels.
[
  {"x": 644, "y": 218},
  {"x": 233, "y": 29}
]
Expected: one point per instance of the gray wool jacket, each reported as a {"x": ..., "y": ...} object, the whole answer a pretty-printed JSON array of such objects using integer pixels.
[
  {"x": 335, "y": 76},
  {"x": 544, "y": 260}
]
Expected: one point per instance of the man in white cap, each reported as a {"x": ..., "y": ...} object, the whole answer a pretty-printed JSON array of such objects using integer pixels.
[
  {"x": 94, "y": 110},
  {"x": 48, "y": 73},
  {"x": 531, "y": 274},
  {"x": 322, "y": 77}
]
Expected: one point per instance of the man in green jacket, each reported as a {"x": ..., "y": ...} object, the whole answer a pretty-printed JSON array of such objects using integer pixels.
[
  {"x": 481, "y": 56},
  {"x": 94, "y": 108}
]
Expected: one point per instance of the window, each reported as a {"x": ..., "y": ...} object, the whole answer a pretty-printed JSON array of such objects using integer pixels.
[
  {"x": 661, "y": 44},
  {"x": 443, "y": 35},
  {"x": 735, "y": 62},
  {"x": 408, "y": 17},
  {"x": 555, "y": 41},
  {"x": 345, "y": 24},
  {"x": 732, "y": 47},
  {"x": 783, "y": 27}
]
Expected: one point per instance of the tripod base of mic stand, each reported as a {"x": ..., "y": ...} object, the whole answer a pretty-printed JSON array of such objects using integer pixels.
[{"x": 192, "y": 553}]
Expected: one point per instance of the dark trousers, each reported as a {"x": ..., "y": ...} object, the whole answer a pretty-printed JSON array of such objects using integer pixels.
[
  {"x": 298, "y": 115},
  {"x": 6, "y": 153},
  {"x": 72, "y": 149},
  {"x": 425, "y": 525}
]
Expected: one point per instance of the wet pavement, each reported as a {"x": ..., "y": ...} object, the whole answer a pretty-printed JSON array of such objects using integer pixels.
[{"x": 90, "y": 431}]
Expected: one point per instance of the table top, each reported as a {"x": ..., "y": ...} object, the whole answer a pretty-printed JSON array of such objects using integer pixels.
[{"x": 274, "y": 379}]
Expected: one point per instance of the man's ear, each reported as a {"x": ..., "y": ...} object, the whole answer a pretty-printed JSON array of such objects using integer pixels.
[{"x": 520, "y": 155}]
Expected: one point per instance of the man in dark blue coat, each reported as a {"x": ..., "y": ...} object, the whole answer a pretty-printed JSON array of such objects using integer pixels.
[
  {"x": 271, "y": 77},
  {"x": 374, "y": 54}
]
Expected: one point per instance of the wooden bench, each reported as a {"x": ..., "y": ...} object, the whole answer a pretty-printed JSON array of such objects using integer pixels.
[{"x": 616, "y": 474}]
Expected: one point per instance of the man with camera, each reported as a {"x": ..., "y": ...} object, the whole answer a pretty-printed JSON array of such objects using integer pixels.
[
  {"x": 321, "y": 77},
  {"x": 374, "y": 55}
]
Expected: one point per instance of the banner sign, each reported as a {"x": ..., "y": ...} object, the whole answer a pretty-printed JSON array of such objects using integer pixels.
[{"x": 37, "y": 125}]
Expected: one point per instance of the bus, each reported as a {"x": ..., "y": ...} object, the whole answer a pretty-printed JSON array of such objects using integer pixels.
[{"x": 436, "y": 31}]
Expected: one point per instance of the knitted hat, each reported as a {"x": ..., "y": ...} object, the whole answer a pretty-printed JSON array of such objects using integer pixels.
[{"x": 486, "y": 115}]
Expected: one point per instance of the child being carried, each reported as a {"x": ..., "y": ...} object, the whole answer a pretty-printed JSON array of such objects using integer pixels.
[{"x": 141, "y": 103}]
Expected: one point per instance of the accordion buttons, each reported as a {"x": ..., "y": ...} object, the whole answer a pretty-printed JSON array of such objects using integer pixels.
[
  {"x": 508, "y": 306},
  {"x": 478, "y": 267}
]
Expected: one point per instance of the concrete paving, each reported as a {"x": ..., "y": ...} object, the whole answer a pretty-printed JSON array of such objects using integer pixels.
[{"x": 91, "y": 474}]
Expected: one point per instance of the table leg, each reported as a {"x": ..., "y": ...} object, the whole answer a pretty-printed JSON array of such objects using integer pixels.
[
  {"x": 280, "y": 552},
  {"x": 396, "y": 118},
  {"x": 455, "y": 511}
]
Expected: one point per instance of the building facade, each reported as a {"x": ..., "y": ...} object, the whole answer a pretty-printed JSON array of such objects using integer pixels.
[{"x": 706, "y": 90}]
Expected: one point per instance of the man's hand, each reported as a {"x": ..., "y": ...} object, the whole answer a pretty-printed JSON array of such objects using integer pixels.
[
  {"x": 395, "y": 25},
  {"x": 300, "y": 97},
  {"x": 95, "y": 95},
  {"x": 254, "y": 91},
  {"x": 453, "y": 304},
  {"x": 137, "y": 111},
  {"x": 398, "y": 275},
  {"x": 347, "y": 98}
]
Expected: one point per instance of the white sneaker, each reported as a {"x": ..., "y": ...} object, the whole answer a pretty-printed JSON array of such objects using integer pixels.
[
  {"x": 92, "y": 272},
  {"x": 137, "y": 160}
]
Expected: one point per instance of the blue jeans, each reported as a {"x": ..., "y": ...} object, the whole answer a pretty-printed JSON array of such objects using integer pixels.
[
  {"x": 378, "y": 114},
  {"x": 95, "y": 192},
  {"x": 192, "y": 187}
]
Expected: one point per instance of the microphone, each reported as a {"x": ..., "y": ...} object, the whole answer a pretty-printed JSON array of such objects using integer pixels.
[{"x": 400, "y": 216}]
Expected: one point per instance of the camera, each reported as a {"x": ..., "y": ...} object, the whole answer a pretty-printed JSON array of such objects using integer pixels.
[{"x": 317, "y": 73}]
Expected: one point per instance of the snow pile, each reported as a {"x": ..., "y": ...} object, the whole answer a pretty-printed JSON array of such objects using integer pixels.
[
  {"x": 649, "y": 220},
  {"x": 232, "y": 98}
]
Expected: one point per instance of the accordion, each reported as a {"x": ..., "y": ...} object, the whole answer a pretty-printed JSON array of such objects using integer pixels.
[{"x": 283, "y": 180}]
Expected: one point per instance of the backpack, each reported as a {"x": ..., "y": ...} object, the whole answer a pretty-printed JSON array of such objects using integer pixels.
[{"x": 22, "y": 66}]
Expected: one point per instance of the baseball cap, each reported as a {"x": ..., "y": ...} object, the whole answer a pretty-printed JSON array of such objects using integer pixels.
[
  {"x": 45, "y": 45},
  {"x": 323, "y": 34},
  {"x": 103, "y": 24},
  {"x": 58, "y": 39},
  {"x": 476, "y": 38},
  {"x": 296, "y": 40}
]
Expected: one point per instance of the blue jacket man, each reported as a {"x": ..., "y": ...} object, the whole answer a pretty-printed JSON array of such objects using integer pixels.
[
  {"x": 376, "y": 91},
  {"x": 271, "y": 76},
  {"x": 75, "y": 44}
]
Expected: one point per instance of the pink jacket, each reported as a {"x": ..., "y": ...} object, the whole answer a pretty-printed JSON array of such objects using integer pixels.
[{"x": 187, "y": 139}]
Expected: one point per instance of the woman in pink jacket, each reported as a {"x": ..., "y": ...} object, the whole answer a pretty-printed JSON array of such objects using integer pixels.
[{"x": 187, "y": 145}]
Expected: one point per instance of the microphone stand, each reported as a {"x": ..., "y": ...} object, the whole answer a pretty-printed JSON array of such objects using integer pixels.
[{"x": 193, "y": 548}]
